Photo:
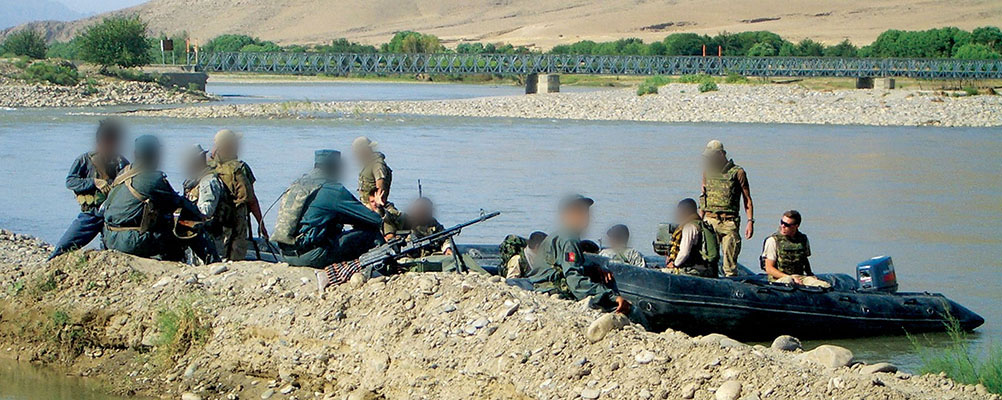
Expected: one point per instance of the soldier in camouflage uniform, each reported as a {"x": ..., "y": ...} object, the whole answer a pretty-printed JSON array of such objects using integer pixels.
[
  {"x": 240, "y": 201},
  {"x": 419, "y": 221},
  {"x": 90, "y": 180},
  {"x": 685, "y": 251},
  {"x": 375, "y": 175},
  {"x": 563, "y": 269},
  {"x": 785, "y": 254},
  {"x": 724, "y": 186},
  {"x": 204, "y": 188}
]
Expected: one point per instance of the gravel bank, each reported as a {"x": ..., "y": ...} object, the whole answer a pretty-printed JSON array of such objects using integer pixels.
[
  {"x": 674, "y": 103},
  {"x": 419, "y": 336}
]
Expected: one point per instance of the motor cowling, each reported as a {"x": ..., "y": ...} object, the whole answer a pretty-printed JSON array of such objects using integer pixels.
[{"x": 877, "y": 274}]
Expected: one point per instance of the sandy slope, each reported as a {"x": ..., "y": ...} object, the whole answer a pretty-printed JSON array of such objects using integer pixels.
[{"x": 544, "y": 23}]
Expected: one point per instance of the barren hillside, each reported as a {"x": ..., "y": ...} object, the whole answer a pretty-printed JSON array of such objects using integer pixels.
[{"x": 544, "y": 23}]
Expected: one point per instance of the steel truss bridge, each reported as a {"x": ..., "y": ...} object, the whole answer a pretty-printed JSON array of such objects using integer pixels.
[{"x": 521, "y": 64}]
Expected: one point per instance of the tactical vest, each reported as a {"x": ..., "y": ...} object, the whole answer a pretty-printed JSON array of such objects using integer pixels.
[
  {"x": 293, "y": 205},
  {"x": 228, "y": 173},
  {"x": 791, "y": 253},
  {"x": 723, "y": 191},
  {"x": 149, "y": 215},
  {"x": 512, "y": 246},
  {"x": 700, "y": 261},
  {"x": 90, "y": 201},
  {"x": 366, "y": 179},
  {"x": 225, "y": 211}
]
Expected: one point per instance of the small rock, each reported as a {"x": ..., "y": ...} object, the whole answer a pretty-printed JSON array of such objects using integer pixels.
[
  {"x": 786, "y": 343},
  {"x": 480, "y": 323},
  {"x": 644, "y": 357},
  {"x": 465, "y": 287},
  {"x": 720, "y": 340},
  {"x": 878, "y": 368},
  {"x": 730, "y": 390},
  {"x": 590, "y": 394},
  {"x": 267, "y": 394},
  {"x": 219, "y": 269},
  {"x": 730, "y": 374},
  {"x": 449, "y": 308},
  {"x": 644, "y": 394},
  {"x": 689, "y": 391},
  {"x": 190, "y": 396},
  {"x": 494, "y": 279},
  {"x": 356, "y": 281},
  {"x": 162, "y": 282},
  {"x": 287, "y": 389},
  {"x": 605, "y": 324},
  {"x": 190, "y": 371},
  {"x": 829, "y": 356}
]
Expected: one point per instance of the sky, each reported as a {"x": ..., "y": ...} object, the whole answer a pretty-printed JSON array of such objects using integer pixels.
[{"x": 98, "y": 6}]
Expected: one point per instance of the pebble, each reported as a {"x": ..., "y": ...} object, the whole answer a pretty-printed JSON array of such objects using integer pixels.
[
  {"x": 786, "y": 343},
  {"x": 590, "y": 394},
  {"x": 267, "y": 394},
  {"x": 287, "y": 389},
  {"x": 603, "y": 325},
  {"x": 190, "y": 396},
  {"x": 480, "y": 323},
  {"x": 730, "y": 390},
  {"x": 878, "y": 368},
  {"x": 689, "y": 391},
  {"x": 219, "y": 269},
  {"x": 449, "y": 308},
  {"x": 644, "y": 357}
]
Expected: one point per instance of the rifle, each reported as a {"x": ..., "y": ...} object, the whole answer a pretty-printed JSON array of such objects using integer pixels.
[{"x": 383, "y": 258}]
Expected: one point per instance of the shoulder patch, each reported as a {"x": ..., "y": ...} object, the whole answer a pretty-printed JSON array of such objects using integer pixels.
[{"x": 570, "y": 257}]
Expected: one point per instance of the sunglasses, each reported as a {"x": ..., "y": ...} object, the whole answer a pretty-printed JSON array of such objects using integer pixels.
[{"x": 783, "y": 223}]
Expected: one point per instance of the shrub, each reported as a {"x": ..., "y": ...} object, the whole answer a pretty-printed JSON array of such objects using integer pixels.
[
  {"x": 67, "y": 50},
  {"x": 708, "y": 86},
  {"x": 117, "y": 41},
  {"x": 181, "y": 328},
  {"x": 651, "y": 84},
  {"x": 971, "y": 91},
  {"x": 735, "y": 78},
  {"x": 976, "y": 51},
  {"x": 58, "y": 74},
  {"x": 959, "y": 362},
  {"x": 130, "y": 75},
  {"x": 26, "y": 42},
  {"x": 695, "y": 78}
]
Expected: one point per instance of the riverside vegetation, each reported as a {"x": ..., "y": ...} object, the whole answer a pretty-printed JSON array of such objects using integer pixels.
[{"x": 257, "y": 330}]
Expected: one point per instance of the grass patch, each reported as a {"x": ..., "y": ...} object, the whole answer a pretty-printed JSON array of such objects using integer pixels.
[
  {"x": 137, "y": 276},
  {"x": 735, "y": 78},
  {"x": 971, "y": 91},
  {"x": 15, "y": 288},
  {"x": 708, "y": 86},
  {"x": 651, "y": 84},
  {"x": 48, "y": 283},
  {"x": 182, "y": 327},
  {"x": 959, "y": 361}
]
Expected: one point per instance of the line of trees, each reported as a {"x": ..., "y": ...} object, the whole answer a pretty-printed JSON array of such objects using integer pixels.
[{"x": 123, "y": 41}]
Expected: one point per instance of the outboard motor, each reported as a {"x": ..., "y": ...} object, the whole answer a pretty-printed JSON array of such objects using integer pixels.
[
  {"x": 877, "y": 274},
  {"x": 662, "y": 242}
]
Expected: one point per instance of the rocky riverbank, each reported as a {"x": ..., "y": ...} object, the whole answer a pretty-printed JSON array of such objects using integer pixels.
[
  {"x": 96, "y": 91},
  {"x": 674, "y": 103},
  {"x": 253, "y": 330}
]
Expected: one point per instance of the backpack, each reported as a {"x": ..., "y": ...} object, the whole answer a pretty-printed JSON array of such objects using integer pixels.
[
  {"x": 512, "y": 246},
  {"x": 711, "y": 245}
]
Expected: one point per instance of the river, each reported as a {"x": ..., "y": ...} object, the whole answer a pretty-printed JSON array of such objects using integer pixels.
[{"x": 930, "y": 197}]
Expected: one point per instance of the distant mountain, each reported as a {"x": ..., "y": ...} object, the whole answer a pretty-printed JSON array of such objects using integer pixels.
[
  {"x": 540, "y": 23},
  {"x": 17, "y": 12}
]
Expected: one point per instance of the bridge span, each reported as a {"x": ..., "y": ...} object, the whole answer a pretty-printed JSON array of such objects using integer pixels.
[{"x": 521, "y": 64}]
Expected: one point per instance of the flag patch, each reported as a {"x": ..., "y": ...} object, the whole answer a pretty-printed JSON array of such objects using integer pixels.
[{"x": 571, "y": 257}]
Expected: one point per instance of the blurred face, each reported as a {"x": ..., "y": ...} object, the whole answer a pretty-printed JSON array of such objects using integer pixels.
[
  {"x": 362, "y": 153},
  {"x": 371, "y": 203},
  {"x": 195, "y": 166},
  {"x": 787, "y": 226},
  {"x": 714, "y": 161},
  {"x": 420, "y": 212},
  {"x": 576, "y": 218},
  {"x": 228, "y": 149},
  {"x": 108, "y": 145}
]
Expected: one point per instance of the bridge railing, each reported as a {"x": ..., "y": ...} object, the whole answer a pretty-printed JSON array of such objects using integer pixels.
[{"x": 518, "y": 64}]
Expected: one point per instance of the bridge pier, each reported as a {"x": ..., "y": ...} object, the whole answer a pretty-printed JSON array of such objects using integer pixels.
[
  {"x": 864, "y": 83},
  {"x": 542, "y": 83}
]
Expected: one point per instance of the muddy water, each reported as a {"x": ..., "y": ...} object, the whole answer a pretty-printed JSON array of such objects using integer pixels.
[
  {"x": 25, "y": 382},
  {"x": 929, "y": 197}
]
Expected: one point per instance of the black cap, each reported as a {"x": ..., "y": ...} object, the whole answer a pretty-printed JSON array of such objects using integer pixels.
[{"x": 575, "y": 199}]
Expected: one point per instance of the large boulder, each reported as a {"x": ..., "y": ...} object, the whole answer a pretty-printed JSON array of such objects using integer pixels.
[
  {"x": 829, "y": 356},
  {"x": 605, "y": 324}
]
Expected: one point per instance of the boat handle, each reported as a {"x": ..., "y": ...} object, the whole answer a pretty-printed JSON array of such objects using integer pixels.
[
  {"x": 845, "y": 299},
  {"x": 763, "y": 290},
  {"x": 911, "y": 302}
]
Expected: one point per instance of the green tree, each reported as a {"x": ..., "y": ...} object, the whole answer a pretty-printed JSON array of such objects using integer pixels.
[
  {"x": 118, "y": 41},
  {"x": 976, "y": 51},
  {"x": 762, "y": 49},
  {"x": 809, "y": 48},
  {"x": 684, "y": 44},
  {"x": 988, "y": 35},
  {"x": 26, "y": 42},
  {"x": 69, "y": 50},
  {"x": 844, "y": 49},
  {"x": 412, "y": 42},
  {"x": 228, "y": 43},
  {"x": 261, "y": 47},
  {"x": 342, "y": 45}
]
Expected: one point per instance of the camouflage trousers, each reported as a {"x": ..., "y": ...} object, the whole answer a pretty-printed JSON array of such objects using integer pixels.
[
  {"x": 234, "y": 240},
  {"x": 729, "y": 237}
]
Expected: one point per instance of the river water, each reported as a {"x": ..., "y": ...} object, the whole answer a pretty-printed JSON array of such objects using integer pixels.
[{"x": 930, "y": 197}]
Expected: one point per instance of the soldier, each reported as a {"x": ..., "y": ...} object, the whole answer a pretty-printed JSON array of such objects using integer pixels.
[
  {"x": 686, "y": 253},
  {"x": 313, "y": 212},
  {"x": 562, "y": 266},
  {"x": 724, "y": 185},
  {"x": 143, "y": 216},
  {"x": 619, "y": 250},
  {"x": 519, "y": 255},
  {"x": 204, "y": 188},
  {"x": 419, "y": 221},
  {"x": 375, "y": 175},
  {"x": 785, "y": 254},
  {"x": 90, "y": 180},
  {"x": 240, "y": 201}
]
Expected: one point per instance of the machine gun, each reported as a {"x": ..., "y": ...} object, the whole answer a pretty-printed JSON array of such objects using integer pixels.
[{"x": 383, "y": 259}]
